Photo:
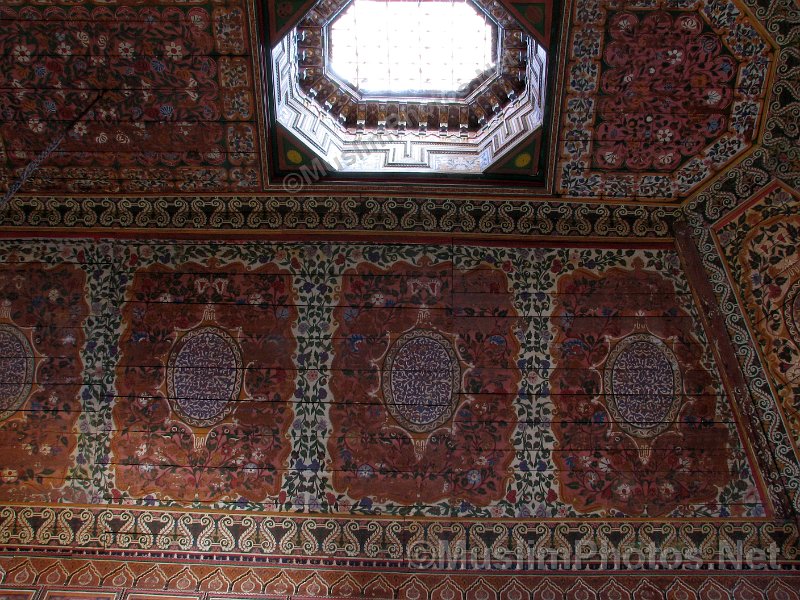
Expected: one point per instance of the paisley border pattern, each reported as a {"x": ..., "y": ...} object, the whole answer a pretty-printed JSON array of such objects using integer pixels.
[
  {"x": 257, "y": 214},
  {"x": 375, "y": 542},
  {"x": 771, "y": 437},
  {"x": 789, "y": 317}
]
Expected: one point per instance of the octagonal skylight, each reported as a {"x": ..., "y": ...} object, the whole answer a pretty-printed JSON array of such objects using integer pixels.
[
  {"x": 442, "y": 86},
  {"x": 410, "y": 47}
]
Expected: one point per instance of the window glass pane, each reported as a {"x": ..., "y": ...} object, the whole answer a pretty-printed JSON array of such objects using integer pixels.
[{"x": 405, "y": 46}]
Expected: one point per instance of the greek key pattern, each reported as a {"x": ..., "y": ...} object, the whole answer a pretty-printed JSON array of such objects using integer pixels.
[{"x": 351, "y": 214}]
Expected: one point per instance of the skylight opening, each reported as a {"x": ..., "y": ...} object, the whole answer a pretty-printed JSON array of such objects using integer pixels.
[{"x": 411, "y": 47}]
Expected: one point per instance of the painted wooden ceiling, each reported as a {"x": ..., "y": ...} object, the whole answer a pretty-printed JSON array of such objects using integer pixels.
[{"x": 648, "y": 103}]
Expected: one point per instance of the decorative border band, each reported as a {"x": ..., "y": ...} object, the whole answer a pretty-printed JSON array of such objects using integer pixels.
[
  {"x": 341, "y": 214},
  {"x": 373, "y": 541}
]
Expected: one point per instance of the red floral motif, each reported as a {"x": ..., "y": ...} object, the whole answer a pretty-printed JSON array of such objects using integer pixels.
[
  {"x": 602, "y": 464},
  {"x": 41, "y": 311},
  {"x": 166, "y": 101},
  {"x": 406, "y": 332},
  {"x": 185, "y": 445},
  {"x": 665, "y": 93}
]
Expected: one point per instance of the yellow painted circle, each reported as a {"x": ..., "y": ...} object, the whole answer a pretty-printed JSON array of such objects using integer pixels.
[
  {"x": 294, "y": 157},
  {"x": 523, "y": 160}
]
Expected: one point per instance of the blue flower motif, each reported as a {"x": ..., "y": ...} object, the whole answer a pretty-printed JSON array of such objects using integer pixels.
[
  {"x": 354, "y": 341},
  {"x": 473, "y": 477}
]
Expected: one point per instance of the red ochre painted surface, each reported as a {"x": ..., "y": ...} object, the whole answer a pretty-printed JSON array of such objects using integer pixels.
[
  {"x": 42, "y": 309},
  {"x": 665, "y": 93},
  {"x": 177, "y": 114},
  {"x": 360, "y": 404},
  {"x": 76, "y": 579},
  {"x": 657, "y": 98},
  {"x": 423, "y": 378},
  {"x": 206, "y": 368},
  {"x": 637, "y": 420}
]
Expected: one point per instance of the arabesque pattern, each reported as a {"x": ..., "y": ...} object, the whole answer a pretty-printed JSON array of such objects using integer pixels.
[
  {"x": 42, "y": 313},
  {"x": 206, "y": 422},
  {"x": 611, "y": 458},
  {"x": 657, "y": 100},
  {"x": 759, "y": 244},
  {"x": 173, "y": 87}
]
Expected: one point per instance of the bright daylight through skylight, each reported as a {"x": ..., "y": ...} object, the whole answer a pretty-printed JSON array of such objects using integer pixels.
[{"x": 395, "y": 47}]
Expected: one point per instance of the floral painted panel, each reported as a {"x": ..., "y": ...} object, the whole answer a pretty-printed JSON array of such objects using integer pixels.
[
  {"x": 676, "y": 122},
  {"x": 144, "y": 97},
  {"x": 423, "y": 384},
  {"x": 405, "y": 380},
  {"x": 42, "y": 310},
  {"x": 658, "y": 98},
  {"x": 203, "y": 382},
  {"x": 638, "y": 421},
  {"x": 760, "y": 244}
]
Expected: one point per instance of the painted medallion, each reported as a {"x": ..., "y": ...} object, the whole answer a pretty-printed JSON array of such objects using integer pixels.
[
  {"x": 16, "y": 369},
  {"x": 643, "y": 385},
  {"x": 204, "y": 376},
  {"x": 421, "y": 380}
]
